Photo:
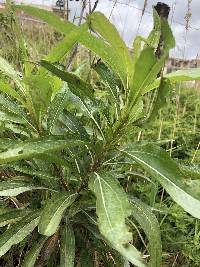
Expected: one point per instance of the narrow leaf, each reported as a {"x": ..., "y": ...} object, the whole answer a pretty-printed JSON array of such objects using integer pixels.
[
  {"x": 16, "y": 187},
  {"x": 12, "y": 107},
  {"x": 154, "y": 36},
  {"x": 146, "y": 70},
  {"x": 112, "y": 208},
  {"x": 6, "y": 116},
  {"x": 147, "y": 220},
  {"x": 76, "y": 85},
  {"x": 73, "y": 124},
  {"x": 35, "y": 147},
  {"x": 12, "y": 216},
  {"x": 9, "y": 71},
  {"x": 18, "y": 232},
  {"x": 161, "y": 98},
  {"x": 32, "y": 255},
  {"x": 67, "y": 250},
  {"x": 158, "y": 163},
  {"x": 176, "y": 76},
  {"x": 64, "y": 46},
  {"x": 49, "y": 17},
  {"x": 56, "y": 107},
  {"x": 100, "y": 24},
  {"x": 7, "y": 89},
  {"x": 53, "y": 212}
]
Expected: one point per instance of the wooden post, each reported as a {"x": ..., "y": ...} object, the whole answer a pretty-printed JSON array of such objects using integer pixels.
[{"x": 163, "y": 11}]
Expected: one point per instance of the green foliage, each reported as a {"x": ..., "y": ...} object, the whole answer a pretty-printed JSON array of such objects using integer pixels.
[{"x": 71, "y": 139}]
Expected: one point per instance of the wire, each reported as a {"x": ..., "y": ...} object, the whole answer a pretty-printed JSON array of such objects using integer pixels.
[{"x": 150, "y": 13}]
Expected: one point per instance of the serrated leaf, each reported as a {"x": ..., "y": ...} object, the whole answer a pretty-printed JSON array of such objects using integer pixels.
[
  {"x": 158, "y": 163},
  {"x": 147, "y": 220},
  {"x": 16, "y": 187},
  {"x": 9, "y": 71},
  {"x": 76, "y": 85},
  {"x": 12, "y": 216},
  {"x": 7, "y": 89},
  {"x": 154, "y": 36},
  {"x": 16, "y": 233},
  {"x": 33, "y": 253},
  {"x": 86, "y": 109},
  {"x": 110, "y": 78},
  {"x": 161, "y": 98},
  {"x": 53, "y": 212},
  {"x": 6, "y": 116},
  {"x": 112, "y": 208},
  {"x": 12, "y": 107},
  {"x": 169, "y": 41},
  {"x": 67, "y": 249},
  {"x": 35, "y": 147},
  {"x": 73, "y": 124},
  {"x": 56, "y": 107},
  {"x": 44, "y": 176}
]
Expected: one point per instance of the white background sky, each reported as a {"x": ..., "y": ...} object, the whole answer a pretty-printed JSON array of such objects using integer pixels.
[{"x": 127, "y": 14}]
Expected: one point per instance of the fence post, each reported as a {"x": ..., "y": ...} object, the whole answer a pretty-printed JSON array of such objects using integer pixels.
[{"x": 163, "y": 12}]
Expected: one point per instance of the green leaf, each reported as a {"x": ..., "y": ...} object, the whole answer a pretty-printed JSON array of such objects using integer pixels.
[
  {"x": 12, "y": 107},
  {"x": 137, "y": 48},
  {"x": 35, "y": 147},
  {"x": 176, "y": 76},
  {"x": 100, "y": 24},
  {"x": 12, "y": 216},
  {"x": 56, "y": 107},
  {"x": 6, "y": 116},
  {"x": 7, "y": 89},
  {"x": 34, "y": 252},
  {"x": 67, "y": 250},
  {"x": 86, "y": 110},
  {"x": 16, "y": 187},
  {"x": 53, "y": 212},
  {"x": 64, "y": 46},
  {"x": 40, "y": 89},
  {"x": 112, "y": 208},
  {"x": 76, "y": 85},
  {"x": 154, "y": 36},
  {"x": 110, "y": 78},
  {"x": 16, "y": 233},
  {"x": 86, "y": 259},
  {"x": 161, "y": 97},
  {"x": 45, "y": 177},
  {"x": 147, "y": 220},
  {"x": 146, "y": 70},
  {"x": 73, "y": 124},
  {"x": 184, "y": 75},
  {"x": 168, "y": 38},
  {"x": 158, "y": 163},
  {"x": 8, "y": 70},
  {"x": 49, "y": 17},
  {"x": 91, "y": 42}
]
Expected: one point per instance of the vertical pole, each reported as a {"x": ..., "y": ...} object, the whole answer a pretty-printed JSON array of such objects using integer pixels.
[{"x": 163, "y": 12}]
